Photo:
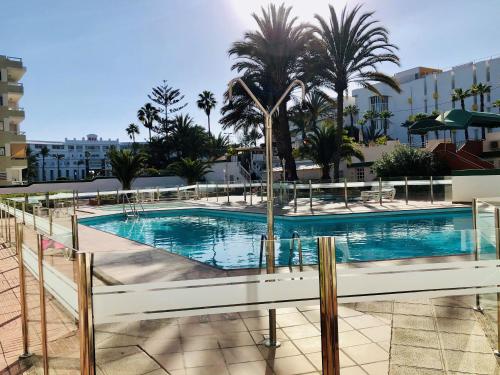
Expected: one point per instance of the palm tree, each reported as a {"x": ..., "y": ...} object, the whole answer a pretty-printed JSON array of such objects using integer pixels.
[
  {"x": 58, "y": 158},
  {"x": 371, "y": 116},
  {"x": 270, "y": 58},
  {"x": 385, "y": 116},
  {"x": 32, "y": 164},
  {"x": 148, "y": 115},
  {"x": 192, "y": 170},
  {"x": 371, "y": 133},
  {"x": 481, "y": 89},
  {"x": 217, "y": 145},
  {"x": 206, "y": 102},
  {"x": 44, "y": 152},
  {"x": 316, "y": 107},
  {"x": 188, "y": 139},
  {"x": 352, "y": 110},
  {"x": 496, "y": 104},
  {"x": 460, "y": 94},
  {"x": 125, "y": 166},
  {"x": 321, "y": 148},
  {"x": 349, "y": 48},
  {"x": 132, "y": 130},
  {"x": 168, "y": 98}
]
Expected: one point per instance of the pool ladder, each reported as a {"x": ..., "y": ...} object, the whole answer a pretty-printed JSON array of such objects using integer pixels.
[{"x": 295, "y": 238}]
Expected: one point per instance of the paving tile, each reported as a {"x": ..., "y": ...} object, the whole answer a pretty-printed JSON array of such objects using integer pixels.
[
  {"x": 363, "y": 321},
  {"x": 207, "y": 370},
  {"x": 260, "y": 335},
  {"x": 298, "y": 364},
  {"x": 250, "y": 368},
  {"x": 346, "y": 312},
  {"x": 352, "y": 338},
  {"x": 412, "y": 337},
  {"x": 354, "y": 370},
  {"x": 368, "y": 353},
  {"x": 377, "y": 368},
  {"x": 299, "y": 332},
  {"x": 228, "y": 340},
  {"x": 242, "y": 354},
  {"x": 404, "y": 370},
  {"x": 309, "y": 344},
  {"x": 468, "y": 327},
  {"x": 413, "y": 322},
  {"x": 313, "y": 316},
  {"x": 377, "y": 334},
  {"x": 257, "y": 323},
  {"x": 203, "y": 358},
  {"x": 170, "y": 361},
  {"x": 379, "y": 307},
  {"x": 194, "y": 343},
  {"x": 454, "y": 312},
  {"x": 413, "y": 309},
  {"x": 158, "y": 346},
  {"x": 416, "y": 357},
  {"x": 465, "y": 343},
  {"x": 473, "y": 363},
  {"x": 286, "y": 349},
  {"x": 288, "y": 320}
]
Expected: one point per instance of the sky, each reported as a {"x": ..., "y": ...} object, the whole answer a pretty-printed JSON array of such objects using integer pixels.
[{"x": 90, "y": 64}]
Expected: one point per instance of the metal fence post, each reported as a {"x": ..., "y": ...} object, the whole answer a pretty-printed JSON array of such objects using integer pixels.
[
  {"x": 431, "y": 190},
  {"x": 47, "y": 199},
  {"x": 497, "y": 243},
  {"x": 295, "y": 196},
  {"x": 245, "y": 191},
  {"x": 98, "y": 198},
  {"x": 406, "y": 190},
  {"x": 157, "y": 194},
  {"x": 22, "y": 290},
  {"x": 217, "y": 192},
  {"x": 50, "y": 222},
  {"x": 250, "y": 192},
  {"x": 310, "y": 195},
  {"x": 2, "y": 222},
  {"x": 328, "y": 306},
  {"x": 43, "y": 311},
  {"x": 85, "y": 315},
  {"x": 9, "y": 238},
  {"x": 380, "y": 190},
  {"x": 227, "y": 190},
  {"x": 345, "y": 193},
  {"x": 477, "y": 306},
  {"x": 206, "y": 190},
  {"x": 23, "y": 207},
  {"x": 77, "y": 199},
  {"x": 261, "y": 191},
  {"x": 75, "y": 243},
  {"x": 197, "y": 191}
]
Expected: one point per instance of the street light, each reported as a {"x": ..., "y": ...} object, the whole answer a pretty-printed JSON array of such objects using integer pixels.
[{"x": 269, "y": 185}]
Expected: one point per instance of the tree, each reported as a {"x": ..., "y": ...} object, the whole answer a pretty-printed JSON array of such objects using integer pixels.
[
  {"x": 496, "y": 104},
  {"x": 206, "y": 102},
  {"x": 371, "y": 133},
  {"x": 270, "y": 58},
  {"x": 385, "y": 116},
  {"x": 348, "y": 51},
  {"x": 321, "y": 148},
  {"x": 31, "y": 170},
  {"x": 251, "y": 137},
  {"x": 408, "y": 161},
  {"x": 44, "y": 152},
  {"x": 217, "y": 146},
  {"x": 192, "y": 170},
  {"x": 352, "y": 110},
  {"x": 316, "y": 107},
  {"x": 460, "y": 94},
  {"x": 371, "y": 116},
  {"x": 188, "y": 139},
  {"x": 125, "y": 166},
  {"x": 168, "y": 98},
  {"x": 481, "y": 89},
  {"x": 58, "y": 158},
  {"x": 148, "y": 115},
  {"x": 132, "y": 130}
]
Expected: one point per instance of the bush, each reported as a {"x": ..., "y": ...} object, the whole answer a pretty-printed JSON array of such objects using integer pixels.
[
  {"x": 150, "y": 172},
  {"x": 407, "y": 161}
]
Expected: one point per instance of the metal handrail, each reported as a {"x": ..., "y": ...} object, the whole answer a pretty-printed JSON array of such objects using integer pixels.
[
  {"x": 263, "y": 238},
  {"x": 295, "y": 236}
]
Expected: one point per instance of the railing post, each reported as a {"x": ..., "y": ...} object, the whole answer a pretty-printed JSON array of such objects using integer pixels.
[
  {"x": 310, "y": 195},
  {"x": 380, "y": 190},
  {"x": 497, "y": 243},
  {"x": 178, "y": 193},
  {"x": 217, "y": 192},
  {"x": 2, "y": 218},
  {"x": 75, "y": 242},
  {"x": 477, "y": 306},
  {"x": 9, "y": 237},
  {"x": 250, "y": 192},
  {"x": 206, "y": 190},
  {"x": 272, "y": 341},
  {"x": 294, "y": 196},
  {"x": 23, "y": 207},
  {"x": 328, "y": 306},
  {"x": 431, "y": 189},
  {"x": 227, "y": 190},
  {"x": 345, "y": 193},
  {"x": 261, "y": 191},
  {"x": 50, "y": 222},
  {"x": 197, "y": 191},
  {"x": 22, "y": 290},
  {"x": 245, "y": 191},
  {"x": 77, "y": 199},
  {"x": 85, "y": 315},
  {"x": 43, "y": 311},
  {"x": 47, "y": 200},
  {"x": 157, "y": 194},
  {"x": 406, "y": 190},
  {"x": 98, "y": 198}
]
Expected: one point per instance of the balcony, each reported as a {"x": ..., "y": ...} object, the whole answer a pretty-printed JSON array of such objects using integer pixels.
[
  {"x": 12, "y": 87},
  {"x": 6, "y": 111}
]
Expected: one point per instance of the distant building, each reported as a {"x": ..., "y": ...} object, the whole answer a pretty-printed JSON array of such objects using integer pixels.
[
  {"x": 78, "y": 159},
  {"x": 425, "y": 90},
  {"x": 13, "y": 162}
]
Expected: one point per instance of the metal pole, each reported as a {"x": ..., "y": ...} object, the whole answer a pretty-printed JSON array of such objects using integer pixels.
[
  {"x": 310, "y": 195},
  {"x": 250, "y": 192},
  {"x": 380, "y": 190},
  {"x": 245, "y": 191},
  {"x": 47, "y": 199},
  {"x": 23, "y": 206},
  {"x": 77, "y": 200},
  {"x": 406, "y": 190},
  {"x": 75, "y": 243},
  {"x": 345, "y": 193},
  {"x": 206, "y": 190},
  {"x": 477, "y": 306},
  {"x": 43, "y": 311},
  {"x": 261, "y": 191},
  {"x": 295, "y": 196},
  {"x": 431, "y": 190},
  {"x": 85, "y": 315},
  {"x": 328, "y": 306},
  {"x": 497, "y": 243},
  {"x": 157, "y": 194},
  {"x": 22, "y": 290},
  {"x": 197, "y": 191},
  {"x": 216, "y": 192},
  {"x": 98, "y": 198},
  {"x": 50, "y": 222},
  {"x": 227, "y": 190},
  {"x": 9, "y": 238},
  {"x": 2, "y": 222}
]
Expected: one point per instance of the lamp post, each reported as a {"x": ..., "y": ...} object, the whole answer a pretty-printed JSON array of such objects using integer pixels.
[{"x": 271, "y": 342}]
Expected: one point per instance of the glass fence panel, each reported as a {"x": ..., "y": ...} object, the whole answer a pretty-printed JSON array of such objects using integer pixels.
[{"x": 61, "y": 307}]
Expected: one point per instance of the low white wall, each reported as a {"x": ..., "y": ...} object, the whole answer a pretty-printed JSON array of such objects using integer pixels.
[
  {"x": 477, "y": 184},
  {"x": 102, "y": 184}
]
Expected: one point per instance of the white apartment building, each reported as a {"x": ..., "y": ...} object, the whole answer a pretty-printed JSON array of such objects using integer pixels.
[
  {"x": 77, "y": 158},
  {"x": 425, "y": 90}
]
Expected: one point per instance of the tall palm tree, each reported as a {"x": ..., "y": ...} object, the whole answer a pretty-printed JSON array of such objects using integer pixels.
[
  {"x": 316, "y": 107},
  {"x": 125, "y": 166},
  {"x": 385, "y": 116},
  {"x": 496, "y": 104},
  {"x": 321, "y": 148},
  {"x": 132, "y": 130},
  {"x": 44, "y": 152},
  {"x": 188, "y": 139},
  {"x": 148, "y": 115},
  {"x": 206, "y": 102},
  {"x": 352, "y": 110},
  {"x": 192, "y": 170},
  {"x": 170, "y": 101},
  {"x": 348, "y": 51},
  {"x": 460, "y": 94},
  {"x": 371, "y": 116},
  {"x": 58, "y": 158},
  {"x": 270, "y": 58},
  {"x": 481, "y": 89}
]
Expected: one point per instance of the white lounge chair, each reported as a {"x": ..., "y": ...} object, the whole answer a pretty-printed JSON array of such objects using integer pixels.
[{"x": 387, "y": 191}]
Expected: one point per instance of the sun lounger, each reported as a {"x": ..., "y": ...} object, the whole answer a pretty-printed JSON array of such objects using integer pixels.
[{"x": 388, "y": 192}]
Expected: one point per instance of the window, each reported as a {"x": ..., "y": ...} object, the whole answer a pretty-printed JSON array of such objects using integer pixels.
[
  {"x": 57, "y": 147},
  {"x": 2, "y": 151},
  {"x": 67, "y": 173},
  {"x": 1, "y": 125},
  {"x": 360, "y": 174},
  {"x": 38, "y": 146},
  {"x": 71, "y": 147},
  {"x": 79, "y": 148},
  {"x": 379, "y": 103}
]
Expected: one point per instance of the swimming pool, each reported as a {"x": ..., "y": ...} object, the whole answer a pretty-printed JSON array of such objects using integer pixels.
[{"x": 231, "y": 240}]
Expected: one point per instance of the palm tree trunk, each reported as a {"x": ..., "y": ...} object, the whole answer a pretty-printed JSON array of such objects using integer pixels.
[
  {"x": 325, "y": 173},
  {"x": 481, "y": 103},
  {"x": 43, "y": 169},
  {"x": 209, "y": 133},
  {"x": 284, "y": 143},
  {"x": 149, "y": 129},
  {"x": 338, "y": 138}
]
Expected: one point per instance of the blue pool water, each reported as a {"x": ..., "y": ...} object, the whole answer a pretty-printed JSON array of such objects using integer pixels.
[{"x": 232, "y": 240}]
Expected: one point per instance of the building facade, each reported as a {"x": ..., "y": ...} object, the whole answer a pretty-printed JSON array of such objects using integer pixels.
[
  {"x": 73, "y": 159},
  {"x": 424, "y": 90},
  {"x": 13, "y": 162}
]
